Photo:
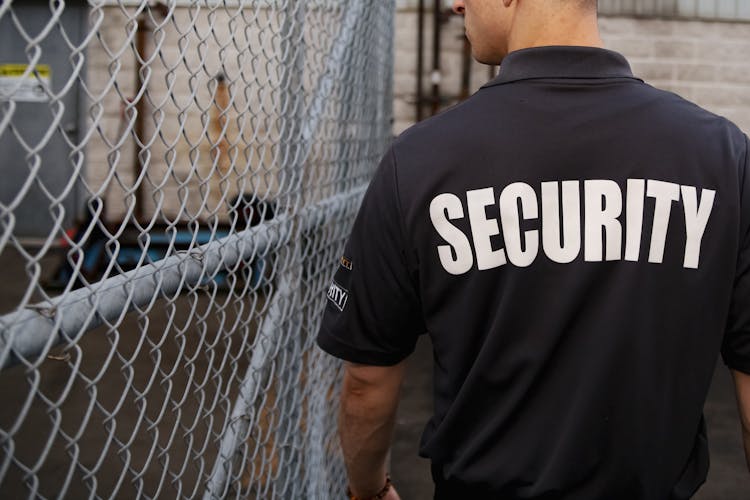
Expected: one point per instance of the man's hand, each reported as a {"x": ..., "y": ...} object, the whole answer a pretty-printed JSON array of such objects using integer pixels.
[
  {"x": 742, "y": 389},
  {"x": 369, "y": 399}
]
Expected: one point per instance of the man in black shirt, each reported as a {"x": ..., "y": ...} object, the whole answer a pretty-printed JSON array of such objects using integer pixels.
[{"x": 577, "y": 245}]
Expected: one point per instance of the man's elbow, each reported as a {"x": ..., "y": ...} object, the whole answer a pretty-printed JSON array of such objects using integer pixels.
[
  {"x": 370, "y": 388},
  {"x": 359, "y": 378}
]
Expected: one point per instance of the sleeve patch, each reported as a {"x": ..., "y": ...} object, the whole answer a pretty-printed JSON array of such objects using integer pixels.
[
  {"x": 338, "y": 295},
  {"x": 346, "y": 263}
]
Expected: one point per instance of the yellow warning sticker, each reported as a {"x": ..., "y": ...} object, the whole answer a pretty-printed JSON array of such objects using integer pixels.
[{"x": 22, "y": 83}]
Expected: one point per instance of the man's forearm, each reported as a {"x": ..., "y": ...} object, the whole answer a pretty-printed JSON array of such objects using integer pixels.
[
  {"x": 742, "y": 389},
  {"x": 366, "y": 433},
  {"x": 366, "y": 422}
]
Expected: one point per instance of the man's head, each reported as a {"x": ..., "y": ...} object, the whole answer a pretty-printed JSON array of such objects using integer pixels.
[{"x": 497, "y": 27}]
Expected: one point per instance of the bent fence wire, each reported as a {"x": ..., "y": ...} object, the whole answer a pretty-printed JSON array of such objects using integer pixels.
[{"x": 178, "y": 179}]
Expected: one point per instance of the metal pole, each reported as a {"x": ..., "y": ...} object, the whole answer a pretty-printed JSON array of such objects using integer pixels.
[
  {"x": 435, "y": 77},
  {"x": 420, "y": 59},
  {"x": 31, "y": 332},
  {"x": 243, "y": 413},
  {"x": 291, "y": 113},
  {"x": 140, "y": 115},
  {"x": 465, "y": 70}
]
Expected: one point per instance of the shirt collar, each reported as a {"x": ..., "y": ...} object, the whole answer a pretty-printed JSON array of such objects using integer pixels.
[{"x": 562, "y": 62}]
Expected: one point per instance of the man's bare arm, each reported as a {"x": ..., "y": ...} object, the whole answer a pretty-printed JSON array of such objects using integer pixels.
[
  {"x": 369, "y": 399},
  {"x": 742, "y": 389}
]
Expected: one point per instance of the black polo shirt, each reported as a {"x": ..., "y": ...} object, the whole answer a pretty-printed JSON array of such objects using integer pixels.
[{"x": 576, "y": 243}]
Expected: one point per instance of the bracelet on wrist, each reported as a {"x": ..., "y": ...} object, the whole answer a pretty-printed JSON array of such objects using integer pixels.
[{"x": 377, "y": 496}]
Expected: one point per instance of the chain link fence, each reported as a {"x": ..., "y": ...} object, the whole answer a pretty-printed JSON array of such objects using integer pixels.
[{"x": 178, "y": 181}]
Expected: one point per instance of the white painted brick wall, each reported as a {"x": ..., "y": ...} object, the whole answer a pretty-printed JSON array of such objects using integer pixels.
[
  {"x": 705, "y": 62},
  {"x": 179, "y": 111}
]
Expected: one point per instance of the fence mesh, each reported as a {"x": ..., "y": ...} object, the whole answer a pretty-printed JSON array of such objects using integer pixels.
[{"x": 178, "y": 182}]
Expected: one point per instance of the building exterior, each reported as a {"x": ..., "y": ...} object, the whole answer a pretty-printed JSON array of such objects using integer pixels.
[
  {"x": 191, "y": 142},
  {"x": 699, "y": 49}
]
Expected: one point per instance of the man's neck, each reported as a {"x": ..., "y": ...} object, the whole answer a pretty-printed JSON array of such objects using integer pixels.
[{"x": 554, "y": 28}]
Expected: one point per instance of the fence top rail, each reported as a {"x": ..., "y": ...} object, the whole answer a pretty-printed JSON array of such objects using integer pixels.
[{"x": 39, "y": 327}]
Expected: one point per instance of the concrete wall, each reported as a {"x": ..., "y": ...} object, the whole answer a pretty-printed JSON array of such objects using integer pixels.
[{"x": 705, "y": 62}]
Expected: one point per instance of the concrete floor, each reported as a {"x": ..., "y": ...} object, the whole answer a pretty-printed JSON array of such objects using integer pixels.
[
  {"x": 121, "y": 412},
  {"x": 728, "y": 478}
]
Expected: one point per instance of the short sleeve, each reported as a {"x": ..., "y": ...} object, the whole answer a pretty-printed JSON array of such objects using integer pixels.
[
  {"x": 735, "y": 349},
  {"x": 373, "y": 313}
]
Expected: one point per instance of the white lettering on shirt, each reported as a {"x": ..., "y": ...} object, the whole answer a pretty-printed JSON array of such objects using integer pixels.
[
  {"x": 511, "y": 219},
  {"x": 483, "y": 228},
  {"x": 565, "y": 228},
  {"x": 563, "y": 250},
  {"x": 443, "y": 208},
  {"x": 634, "y": 218},
  {"x": 665, "y": 193},
  {"x": 696, "y": 219},
  {"x": 603, "y": 206}
]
